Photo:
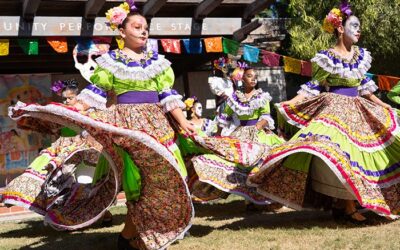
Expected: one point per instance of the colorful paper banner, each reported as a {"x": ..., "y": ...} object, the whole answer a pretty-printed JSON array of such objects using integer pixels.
[
  {"x": 291, "y": 65},
  {"x": 271, "y": 59},
  {"x": 29, "y": 46},
  {"x": 193, "y": 46},
  {"x": 59, "y": 44},
  {"x": 251, "y": 53},
  {"x": 171, "y": 45},
  {"x": 230, "y": 46},
  {"x": 213, "y": 44},
  {"x": 4, "y": 47}
]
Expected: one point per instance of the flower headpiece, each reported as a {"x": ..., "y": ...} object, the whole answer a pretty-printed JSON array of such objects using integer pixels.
[
  {"x": 222, "y": 64},
  {"x": 58, "y": 86},
  {"x": 335, "y": 17},
  {"x": 190, "y": 102},
  {"x": 115, "y": 16},
  {"x": 242, "y": 65}
]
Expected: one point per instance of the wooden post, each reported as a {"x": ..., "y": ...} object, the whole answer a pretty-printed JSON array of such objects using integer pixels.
[
  {"x": 92, "y": 8},
  {"x": 152, "y": 7},
  {"x": 256, "y": 7},
  {"x": 205, "y": 8},
  {"x": 29, "y": 8},
  {"x": 241, "y": 34}
]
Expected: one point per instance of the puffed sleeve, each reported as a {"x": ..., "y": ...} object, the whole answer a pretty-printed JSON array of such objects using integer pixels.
[
  {"x": 95, "y": 95},
  {"x": 102, "y": 78},
  {"x": 265, "y": 114},
  {"x": 170, "y": 99},
  {"x": 367, "y": 86},
  {"x": 225, "y": 117},
  {"x": 314, "y": 87},
  {"x": 394, "y": 93}
]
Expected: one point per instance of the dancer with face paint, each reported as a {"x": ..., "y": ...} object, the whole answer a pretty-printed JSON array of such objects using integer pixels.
[
  {"x": 348, "y": 143},
  {"x": 137, "y": 138},
  {"x": 195, "y": 113},
  {"x": 251, "y": 108}
]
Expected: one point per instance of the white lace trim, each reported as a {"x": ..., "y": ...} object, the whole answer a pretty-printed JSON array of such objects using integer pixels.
[
  {"x": 268, "y": 118},
  {"x": 367, "y": 88},
  {"x": 124, "y": 72},
  {"x": 92, "y": 99},
  {"x": 253, "y": 104},
  {"x": 224, "y": 120},
  {"x": 307, "y": 91},
  {"x": 210, "y": 127},
  {"x": 172, "y": 102},
  {"x": 328, "y": 65},
  {"x": 220, "y": 86}
]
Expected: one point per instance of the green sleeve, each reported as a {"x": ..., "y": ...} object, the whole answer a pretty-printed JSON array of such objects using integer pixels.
[
  {"x": 265, "y": 110},
  {"x": 319, "y": 74},
  {"x": 394, "y": 93},
  {"x": 165, "y": 80},
  {"x": 227, "y": 111},
  {"x": 102, "y": 78}
]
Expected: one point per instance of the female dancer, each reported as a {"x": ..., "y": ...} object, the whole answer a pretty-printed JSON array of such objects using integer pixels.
[
  {"x": 136, "y": 137},
  {"x": 40, "y": 186},
  {"x": 348, "y": 140},
  {"x": 252, "y": 109}
]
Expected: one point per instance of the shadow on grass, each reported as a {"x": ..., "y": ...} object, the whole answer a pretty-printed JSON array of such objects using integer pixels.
[
  {"x": 94, "y": 237},
  {"x": 271, "y": 220}
]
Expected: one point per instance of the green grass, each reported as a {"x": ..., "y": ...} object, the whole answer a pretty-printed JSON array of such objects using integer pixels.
[{"x": 220, "y": 226}]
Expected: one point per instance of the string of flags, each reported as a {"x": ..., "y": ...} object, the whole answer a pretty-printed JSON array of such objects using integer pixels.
[{"x": 191, "y": 46}]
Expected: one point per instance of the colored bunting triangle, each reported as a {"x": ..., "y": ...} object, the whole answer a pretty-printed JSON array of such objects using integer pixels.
[
  {"x": 171, "y": 45},
  {"x": 59, "y": 44},
  {"x": 193, "y": 46}
]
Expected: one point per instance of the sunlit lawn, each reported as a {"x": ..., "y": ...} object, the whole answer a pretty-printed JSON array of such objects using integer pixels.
[{"x": 219, "y": 226}]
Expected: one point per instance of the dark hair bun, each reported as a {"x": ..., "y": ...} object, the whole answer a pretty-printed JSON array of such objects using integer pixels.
[{"x": 71, "y": 84}]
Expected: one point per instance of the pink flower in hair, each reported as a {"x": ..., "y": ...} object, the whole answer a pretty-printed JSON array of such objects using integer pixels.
[
  {"x": 334, "y": 19},
  {"x": 115, "y": 16}
]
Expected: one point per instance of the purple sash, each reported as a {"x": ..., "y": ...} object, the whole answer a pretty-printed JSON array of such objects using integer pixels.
[
  {"x": 344, "y": 90},
  {"x": 248, "y": 122},
  {"x": 133, "y": 97}
]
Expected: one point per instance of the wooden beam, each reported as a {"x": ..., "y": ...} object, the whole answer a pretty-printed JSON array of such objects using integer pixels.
[
  {"x": 255, "y": 8},
  {"x": 205, "y": 8},
  {"x": 13, "y": 26},
  {"x": 241, "y": 34},
  {"x": 152, "y": 7},
  {"x": 92, "y": 8},
  {"x": 29, "y": 8}
]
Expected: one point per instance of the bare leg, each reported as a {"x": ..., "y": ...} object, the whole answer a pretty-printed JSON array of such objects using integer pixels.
[{"x": 129, "y": 231}]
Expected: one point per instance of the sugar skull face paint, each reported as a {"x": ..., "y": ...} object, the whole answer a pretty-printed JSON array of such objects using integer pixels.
[
  {"x": 352, "y": 29},
  {"x": 198, "y": 109}
]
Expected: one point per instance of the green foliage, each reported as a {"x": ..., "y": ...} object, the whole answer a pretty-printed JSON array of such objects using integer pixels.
[{"x": 380, "y": 20}]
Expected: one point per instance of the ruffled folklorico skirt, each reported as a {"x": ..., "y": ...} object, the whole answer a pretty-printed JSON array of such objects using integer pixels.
[
  {"x": 357, "y": 143},
  {"x": 50, "y": 178},
  {"x": 230, "y": 176},
  {"x": 163, "y": 211}
]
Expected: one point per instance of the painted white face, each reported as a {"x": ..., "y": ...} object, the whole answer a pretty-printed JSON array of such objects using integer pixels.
[
  {"x": 352, "y": 29},
  {"x": 198, "y": 109}
]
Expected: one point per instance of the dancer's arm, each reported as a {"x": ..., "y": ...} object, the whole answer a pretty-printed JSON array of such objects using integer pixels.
[
  {"x": 297, "y": 98},
  {"x": 376, "y": 100},
  {"x": 183, "y": 122}
]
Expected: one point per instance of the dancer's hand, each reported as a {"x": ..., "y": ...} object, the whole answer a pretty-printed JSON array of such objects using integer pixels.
[{"x": 188, "y": 127}]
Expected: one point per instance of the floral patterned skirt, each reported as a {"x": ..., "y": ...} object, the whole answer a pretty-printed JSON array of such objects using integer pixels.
[
  {"x": 50, "y": 177},
  {"x": 357, "y": 140},
  {"x": 164, "y": 211},
  {"x": 229, "y": 175}
]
